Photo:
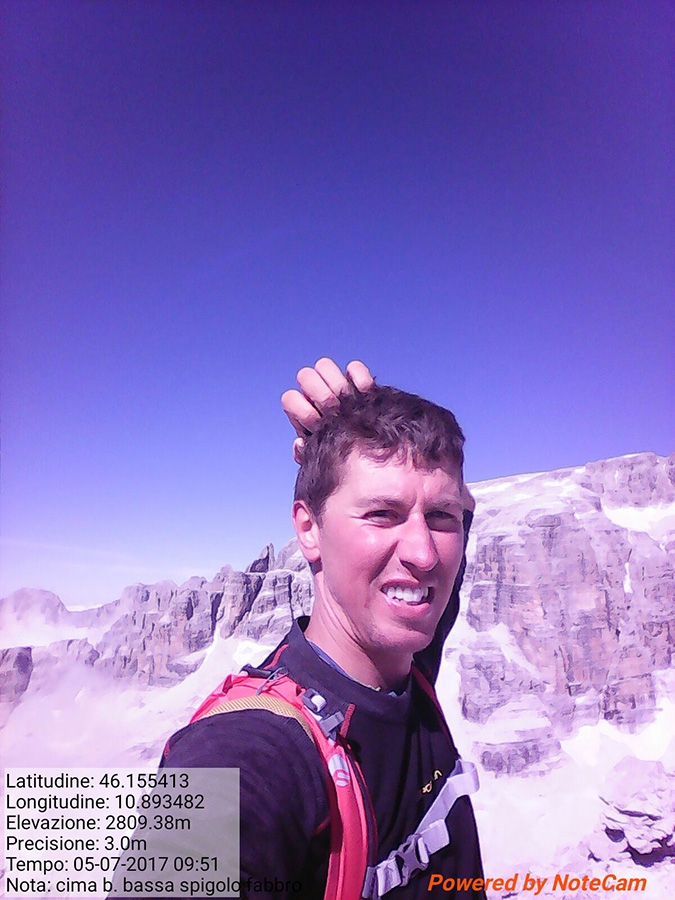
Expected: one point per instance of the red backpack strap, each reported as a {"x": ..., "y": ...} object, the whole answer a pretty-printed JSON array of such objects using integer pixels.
[
  {"x": 349, "y": 837},
  {"x": 349, "y": 827}
]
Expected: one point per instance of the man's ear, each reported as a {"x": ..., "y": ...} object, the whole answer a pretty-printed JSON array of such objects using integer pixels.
[{"x": 307, "y": 531}]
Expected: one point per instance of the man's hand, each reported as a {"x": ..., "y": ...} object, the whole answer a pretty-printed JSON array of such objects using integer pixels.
[{"x": 321, "y": 387}]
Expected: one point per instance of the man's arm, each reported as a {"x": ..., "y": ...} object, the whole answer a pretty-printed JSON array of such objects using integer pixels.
[{"x": 283, "y": 797}]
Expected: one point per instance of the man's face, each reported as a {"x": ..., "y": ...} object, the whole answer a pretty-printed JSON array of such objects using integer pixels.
[{"x": 387, "y": 549}]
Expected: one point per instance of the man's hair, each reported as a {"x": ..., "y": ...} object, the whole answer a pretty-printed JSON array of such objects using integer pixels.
[{"x": 381, "y": 422}]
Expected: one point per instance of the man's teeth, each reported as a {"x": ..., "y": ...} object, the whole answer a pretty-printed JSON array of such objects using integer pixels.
[{"x": 407, "y": 594}]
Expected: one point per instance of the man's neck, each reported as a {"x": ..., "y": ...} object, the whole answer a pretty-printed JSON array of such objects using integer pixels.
[{"x": 385, "y": 675}]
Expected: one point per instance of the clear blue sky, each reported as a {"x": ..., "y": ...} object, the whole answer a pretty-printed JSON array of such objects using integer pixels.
[{"x": 476, "y": 198}]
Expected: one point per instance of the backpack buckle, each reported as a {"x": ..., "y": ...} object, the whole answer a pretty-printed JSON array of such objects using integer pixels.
[
  {"x": 273, "y": 676},
  {"x": 396, "y": 870},
  {"x": 411, "y": 857}
]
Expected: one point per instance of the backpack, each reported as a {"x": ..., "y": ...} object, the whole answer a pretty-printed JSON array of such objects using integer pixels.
[{"x": 350, "y": 876}]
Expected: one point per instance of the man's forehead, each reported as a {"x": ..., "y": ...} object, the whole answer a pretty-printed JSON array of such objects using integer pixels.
[{"x": 365, "y": 469}]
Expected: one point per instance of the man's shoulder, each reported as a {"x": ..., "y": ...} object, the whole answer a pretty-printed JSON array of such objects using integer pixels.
[
  {"x": 240, "y": 736},
  {"x": 283, "y": 793},
  {"x": 231, "y": 731}
]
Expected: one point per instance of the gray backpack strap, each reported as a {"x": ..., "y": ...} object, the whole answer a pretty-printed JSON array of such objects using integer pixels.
[{"x": 430, "y": 835}]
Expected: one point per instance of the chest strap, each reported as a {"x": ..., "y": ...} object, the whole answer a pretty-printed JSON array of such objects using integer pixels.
[{"x": 432, "y": 834}]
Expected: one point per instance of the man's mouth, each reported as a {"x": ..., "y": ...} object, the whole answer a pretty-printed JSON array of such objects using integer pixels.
[{"x": 411, "y": 596}]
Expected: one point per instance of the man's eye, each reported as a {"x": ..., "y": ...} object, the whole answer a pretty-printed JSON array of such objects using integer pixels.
[
  {"x": 445, "y": 520},
  {"x": 382, "y": 514}
]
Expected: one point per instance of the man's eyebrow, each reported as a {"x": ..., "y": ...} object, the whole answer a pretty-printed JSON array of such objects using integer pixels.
[
  {"x": 448, "y": 505},
  {"x": 383, "y": 499},
  {"x": 386, "y": 500}
]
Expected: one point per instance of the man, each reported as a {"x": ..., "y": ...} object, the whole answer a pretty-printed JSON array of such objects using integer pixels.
[{"x": 381, "y": 513}]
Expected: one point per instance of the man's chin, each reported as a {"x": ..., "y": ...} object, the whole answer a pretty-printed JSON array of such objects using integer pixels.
[{"x": 405, "y": 642}]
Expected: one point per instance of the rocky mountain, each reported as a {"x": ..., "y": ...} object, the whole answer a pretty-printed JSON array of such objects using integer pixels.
[
  {"x": 568, "y": 628},
  {"x": 578, "y": 566}
]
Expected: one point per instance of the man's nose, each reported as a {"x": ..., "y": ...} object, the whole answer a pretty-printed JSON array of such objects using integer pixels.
[{"x": 416, "y": 546}]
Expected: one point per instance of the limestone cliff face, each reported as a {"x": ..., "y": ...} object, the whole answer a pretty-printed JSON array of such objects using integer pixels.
[
  {"x": 286, "y": 592},
  {"x": 158, "y": 640},
  {"x": 155, "y": 634},
  {"x": 16, "y": 668},
  {"x": 638, "y": 821},
  {"x": 578, "y": 566},
  {"x": 168, "y": 628}
]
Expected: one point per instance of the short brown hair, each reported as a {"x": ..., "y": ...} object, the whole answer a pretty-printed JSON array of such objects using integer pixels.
[{"x": 381, "y": 422}]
